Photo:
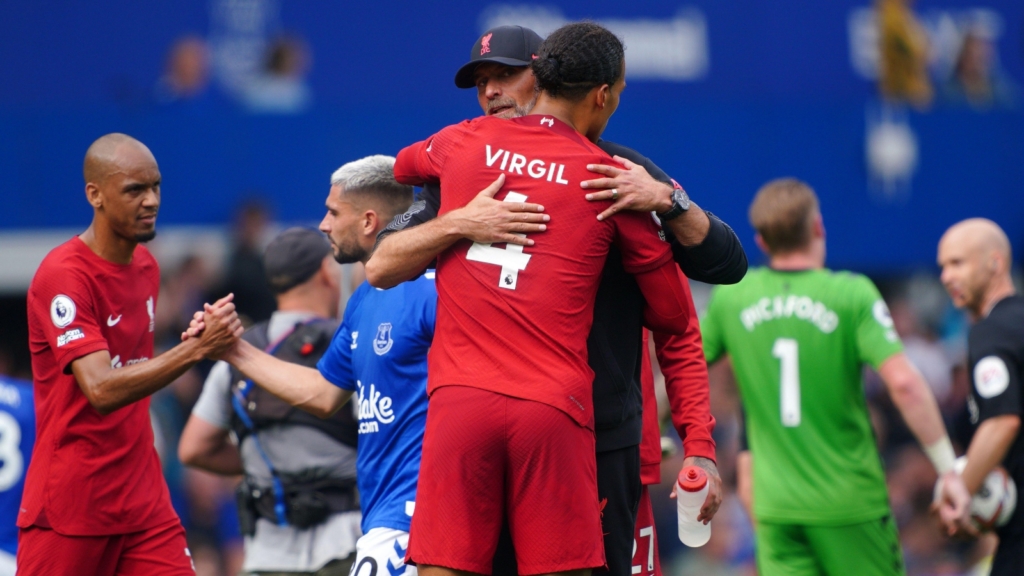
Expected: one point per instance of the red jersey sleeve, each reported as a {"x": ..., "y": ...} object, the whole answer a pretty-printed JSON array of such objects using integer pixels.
[
  {"x": 681, "y": 359},
  {"x": 647, "y": 256},
  {"x": 66, "y": 314},
  {"x": 641, "y": 240},
  {"x": 650, "y": 438},
  {"x": 422, "y": 162}
]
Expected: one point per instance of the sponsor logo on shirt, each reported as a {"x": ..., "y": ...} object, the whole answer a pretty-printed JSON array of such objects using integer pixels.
[
  {"x": 991, "y": 377},
  {"x": 115, "y": 362},
  {"x": 374, "y": 409},
  {"x": 514, "y": 163},
  {"x": 111, "y": 321},
  {"x": 62, "y": 310},
  {"x": 881, "y": 313},
  {"x": 577, "y": 403},
  {"x": 802, "y": 307},
  {"x": 70, "y": 336},
  {"x": 382, "y": 342}
]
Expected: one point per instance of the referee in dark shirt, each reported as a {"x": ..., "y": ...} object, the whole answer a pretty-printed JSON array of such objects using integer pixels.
[
  {"x": 975, "y": 259},
  {"x": 705, "y": 248}
]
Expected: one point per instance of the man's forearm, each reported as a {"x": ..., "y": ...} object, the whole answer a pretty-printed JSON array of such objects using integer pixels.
[
  {"x": 225, "y": 461},
  {"x": 989, "y": 446},
  {"x": 914, "y": 400},
  {"x": 403, "y": 255},
  {"x": 691, "y": 228},
  {"x": 206, "y": 446},
  {"x": 299, "y": 386},
  {"x": 717, "y": 259},
  {"x": 108, "y": 389},
  {"x": 744, "y": 481}
]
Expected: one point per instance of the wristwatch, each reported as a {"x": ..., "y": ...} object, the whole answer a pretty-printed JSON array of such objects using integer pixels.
[{"x": 680, "y": 204}]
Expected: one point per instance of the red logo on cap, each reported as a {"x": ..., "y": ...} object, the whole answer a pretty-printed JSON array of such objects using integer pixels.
[{"x": 485, "y": 44}]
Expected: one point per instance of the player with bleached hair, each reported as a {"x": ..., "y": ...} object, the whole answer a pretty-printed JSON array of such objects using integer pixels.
[{"x": 798, "y": 336}]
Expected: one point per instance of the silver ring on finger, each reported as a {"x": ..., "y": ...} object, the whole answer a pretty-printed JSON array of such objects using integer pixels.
[{"x": 615, "y": 194}]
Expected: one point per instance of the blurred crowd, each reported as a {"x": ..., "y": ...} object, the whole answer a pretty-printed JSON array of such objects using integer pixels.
[
  {"x": 912, "y": 70},
  {"x": 275, "y": 84},
  {"x": 933, "y": 333}
]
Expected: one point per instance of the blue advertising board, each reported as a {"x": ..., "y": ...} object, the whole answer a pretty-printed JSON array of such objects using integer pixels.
[{"x": 723, "y": 95}]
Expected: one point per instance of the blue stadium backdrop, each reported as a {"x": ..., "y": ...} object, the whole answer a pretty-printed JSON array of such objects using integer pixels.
[{"x": 723, "y": 95}]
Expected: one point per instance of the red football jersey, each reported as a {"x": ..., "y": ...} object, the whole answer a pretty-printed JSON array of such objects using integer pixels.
[
  {"x": 91, "y": 475},
  {"x": 513, "y": 320}
]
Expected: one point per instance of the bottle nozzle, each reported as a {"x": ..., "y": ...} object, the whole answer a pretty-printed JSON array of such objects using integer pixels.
[{"x": 692, "y": 479}]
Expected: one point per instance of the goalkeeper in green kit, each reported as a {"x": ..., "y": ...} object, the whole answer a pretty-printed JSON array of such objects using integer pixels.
[{"x": 798, "y": 335}]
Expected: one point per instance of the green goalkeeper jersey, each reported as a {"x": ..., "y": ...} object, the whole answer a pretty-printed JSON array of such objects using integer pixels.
[{"x": 798, "y": 341}]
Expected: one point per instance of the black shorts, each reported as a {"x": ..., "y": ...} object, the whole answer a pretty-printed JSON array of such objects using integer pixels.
[
  {"x": 619, "y": 489},
  {"x": 1009, "y": 557}
]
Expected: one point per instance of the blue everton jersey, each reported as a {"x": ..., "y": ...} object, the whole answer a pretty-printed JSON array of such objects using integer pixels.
[
  {"x": 380, "y": 352},
  {"x": 17, "y": 435}
]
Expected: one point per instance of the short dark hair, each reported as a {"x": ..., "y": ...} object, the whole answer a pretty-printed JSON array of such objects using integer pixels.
[{"x": 577, "y": 58}]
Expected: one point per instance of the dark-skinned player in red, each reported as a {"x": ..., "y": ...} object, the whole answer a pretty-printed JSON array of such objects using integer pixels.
[{"x": 95, "y": 500}]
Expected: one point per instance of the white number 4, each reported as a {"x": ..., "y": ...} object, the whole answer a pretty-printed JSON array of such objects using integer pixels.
[{"x": 511, "y": 258}]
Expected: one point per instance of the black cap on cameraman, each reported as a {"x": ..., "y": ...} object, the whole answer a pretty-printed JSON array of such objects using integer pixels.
[
  {"x": 508, "y": 45},
  {"x": 293, "y": 257}
]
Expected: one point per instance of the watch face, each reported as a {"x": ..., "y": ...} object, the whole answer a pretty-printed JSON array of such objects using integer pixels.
[{"x": 679, "y": 197}]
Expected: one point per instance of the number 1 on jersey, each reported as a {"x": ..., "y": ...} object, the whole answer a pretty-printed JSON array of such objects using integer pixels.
[
  {"x": 511, "y": 258},
  {"x": 785, "y": 349}
]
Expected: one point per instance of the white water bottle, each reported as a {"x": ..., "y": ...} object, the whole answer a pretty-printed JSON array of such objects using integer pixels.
[{"x": 691, "y": 491}]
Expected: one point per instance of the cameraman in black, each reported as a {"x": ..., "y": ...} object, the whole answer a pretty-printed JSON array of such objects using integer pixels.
[{"x": 298, "y": 506}]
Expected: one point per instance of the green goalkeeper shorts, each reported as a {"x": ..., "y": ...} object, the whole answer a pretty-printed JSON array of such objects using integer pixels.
[{"x": 868, "y": 548}]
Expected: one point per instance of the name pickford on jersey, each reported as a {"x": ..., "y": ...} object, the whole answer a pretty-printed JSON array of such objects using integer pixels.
[{"x": 803, "y": 307}]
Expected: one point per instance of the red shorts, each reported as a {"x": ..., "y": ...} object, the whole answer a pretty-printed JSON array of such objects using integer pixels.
[
  {"x": 486, "y": 455},
  {"x": 645, "y": 540},
  {"x": 157, "y": 551}
]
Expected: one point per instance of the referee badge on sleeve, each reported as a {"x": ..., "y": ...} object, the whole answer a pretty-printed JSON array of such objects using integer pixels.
[{"x": 991, "y": 376}]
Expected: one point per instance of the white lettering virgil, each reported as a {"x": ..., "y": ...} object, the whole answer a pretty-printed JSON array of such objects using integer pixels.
[{"x": 514, "y": 163}]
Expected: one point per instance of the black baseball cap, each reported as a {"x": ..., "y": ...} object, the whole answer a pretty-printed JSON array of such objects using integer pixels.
[
  {"x": 508, "y": 45},
  {"x": 293, "y": 257}
]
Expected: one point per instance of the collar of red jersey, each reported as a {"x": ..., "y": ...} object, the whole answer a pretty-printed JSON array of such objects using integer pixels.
[{"x": 551, "y": 122}]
